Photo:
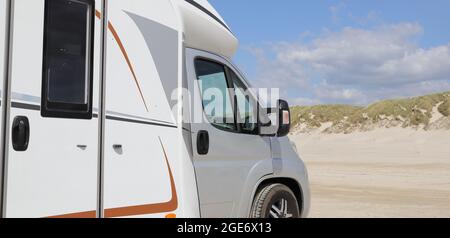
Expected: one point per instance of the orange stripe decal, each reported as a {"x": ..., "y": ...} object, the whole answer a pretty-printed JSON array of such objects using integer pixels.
[
  {"x": 169, "y": 206},
  {"x": 125, "y": 55},
  {"x": 171, "y": 216},
  {"x": 90, "y": 214},
  {"x": 98, "y": 14},
  {"x": 165, "y": 207}
]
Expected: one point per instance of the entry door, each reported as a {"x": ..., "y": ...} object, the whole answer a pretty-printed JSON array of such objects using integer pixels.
[
  {"x": 235, "y": 147},
  {"x": 53, "y": 131}
]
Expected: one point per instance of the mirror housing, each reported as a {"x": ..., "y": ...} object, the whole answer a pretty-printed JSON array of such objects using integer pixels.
[
  {"x": 275, "y": 121},
  {"x": 284, "y": 120},
  {"x": 267, "y": 122}
]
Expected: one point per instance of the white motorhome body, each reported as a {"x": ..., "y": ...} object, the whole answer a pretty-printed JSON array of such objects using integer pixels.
[{"x": 91, "y": 120}]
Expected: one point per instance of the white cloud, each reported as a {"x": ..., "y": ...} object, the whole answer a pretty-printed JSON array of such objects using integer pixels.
[
  {"x": 278, "y": 74},
  {"x": 305, "y": 101},
  {"x": 334, "y": 93},
  {"x": 357, "y": 65},
  {"x": 353, "y": 55},
  {"x": 408, "y": 90}
]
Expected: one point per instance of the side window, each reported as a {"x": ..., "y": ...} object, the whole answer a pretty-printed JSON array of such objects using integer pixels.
[
  {"x": 246, "y": 106},
  {"x": 217, "y": 102},
  {"x": 68, "y": 59}
]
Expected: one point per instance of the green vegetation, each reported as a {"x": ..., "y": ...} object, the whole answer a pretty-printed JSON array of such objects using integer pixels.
[
  {"x": 314, "y": 116},
  {"x": 401, "y": 112},
  {"x": 444, "y": 108}
]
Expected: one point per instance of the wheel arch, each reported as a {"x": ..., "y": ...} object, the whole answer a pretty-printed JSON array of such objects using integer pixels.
[{"x": 291, "y": 183}]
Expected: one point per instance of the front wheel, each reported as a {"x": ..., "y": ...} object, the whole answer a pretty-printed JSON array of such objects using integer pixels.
[{"x": 275, "y": 201}]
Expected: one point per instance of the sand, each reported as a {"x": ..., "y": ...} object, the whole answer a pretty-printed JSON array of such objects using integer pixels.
[{"x": 384, "y": 173}]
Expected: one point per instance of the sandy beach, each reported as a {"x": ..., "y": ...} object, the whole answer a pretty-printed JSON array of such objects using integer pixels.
[{"x": 383, "y": 173}]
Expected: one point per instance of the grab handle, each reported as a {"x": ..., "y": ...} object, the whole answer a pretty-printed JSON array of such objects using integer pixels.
[
  {"x": 20, "y": 133},
  {"x": 203, "y": 142}
]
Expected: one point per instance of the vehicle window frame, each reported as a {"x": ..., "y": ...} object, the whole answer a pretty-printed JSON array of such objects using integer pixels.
[
  {"x": 230, "y": 93},
  {"x": 54, "y": 109},
  {"x": 237, "y": 110}
]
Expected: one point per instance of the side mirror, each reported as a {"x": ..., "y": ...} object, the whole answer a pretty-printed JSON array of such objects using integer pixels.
[
  {"x": 284, "y": 121},
  {"x": 275, "y": 121},
  {"x": 267, "y": 119}
]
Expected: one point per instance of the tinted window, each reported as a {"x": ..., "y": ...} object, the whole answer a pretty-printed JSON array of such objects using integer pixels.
[
  {"x": 67, "y": 76},
  {"x": 217, "y": 102}
]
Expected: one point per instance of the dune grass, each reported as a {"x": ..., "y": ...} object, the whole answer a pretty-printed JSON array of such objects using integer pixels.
[
  {"x": 406, "y": 112},
  {"x": 314, "y": 116}
]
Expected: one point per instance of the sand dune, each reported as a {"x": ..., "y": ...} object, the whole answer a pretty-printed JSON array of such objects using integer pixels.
[{"x": 382, "y": 173}]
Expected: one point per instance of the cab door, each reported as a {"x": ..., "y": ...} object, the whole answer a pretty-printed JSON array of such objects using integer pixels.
[
  {"x": 53, "y": 130},
  {"x": 225, "y": 137}
]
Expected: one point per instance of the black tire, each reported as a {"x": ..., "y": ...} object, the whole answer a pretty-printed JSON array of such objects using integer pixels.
[{"x": 275, "y": 201}]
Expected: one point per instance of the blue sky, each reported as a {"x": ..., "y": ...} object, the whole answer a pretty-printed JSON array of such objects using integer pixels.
[{"x": 342, "y": 51}]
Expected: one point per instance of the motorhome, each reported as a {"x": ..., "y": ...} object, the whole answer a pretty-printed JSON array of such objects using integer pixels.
[{"x": 96, "y": 121}]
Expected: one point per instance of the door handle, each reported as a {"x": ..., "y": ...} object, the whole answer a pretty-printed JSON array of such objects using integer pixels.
[
  {"x": 20, "y": 133},
  {"x": 203, "y": 142},
  {"x": 82, "y": 147},
  {"x": 117, "y": 146}
]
